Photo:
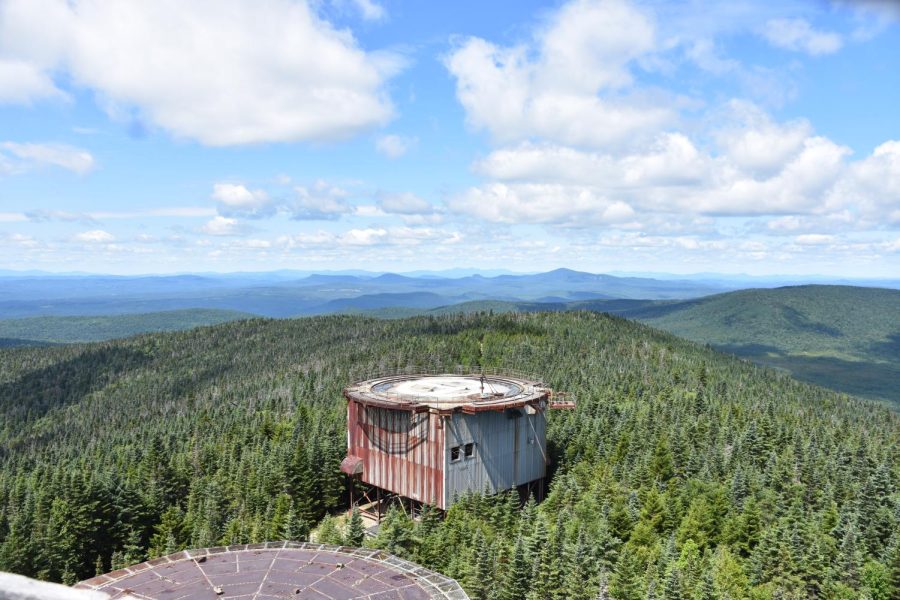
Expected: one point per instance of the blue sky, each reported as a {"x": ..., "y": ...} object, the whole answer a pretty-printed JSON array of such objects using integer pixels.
[{"x": 602, "y": 135}]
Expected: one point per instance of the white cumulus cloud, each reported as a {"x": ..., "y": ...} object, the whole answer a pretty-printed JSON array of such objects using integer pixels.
[
  {"x": 394, "y": 146},
  {"x": 18, "y": 157},
  {"x": 22, "y": 82},
  {"x": 404, "y": 204},
  {"x": 671, "y": 159},
  {"x": 363, "y": 237},
  {"x": 755, "y": 143},
  {"x": 95, "y": 236},
  {"x": 223, "y": 72},
  {"x": 814, "y": 239},
  {"x": 566, "y": 85},
  {"x": 320, "y": 201},
  {"x": 546, "y": 203},
  {"x": 237, "y": 199},
  {"x": 224, "y": 226},
  {"x": 238, "y": 196},
  {"x": 798, "y": 35},
  {"x": 370, "y": 10},
  {"x": 582, "y": 141},
  {"x": 754, "y": 167}
]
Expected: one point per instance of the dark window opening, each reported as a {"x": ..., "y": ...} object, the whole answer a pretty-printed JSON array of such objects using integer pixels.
[
  {"x": 470, "y": 450},
  {"x": 454, "y": 453}
]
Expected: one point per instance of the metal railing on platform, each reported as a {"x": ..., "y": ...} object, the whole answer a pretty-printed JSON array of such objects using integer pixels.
[
  {"x": 460, "y": 370},
  {"x": 530, "y": 384}
]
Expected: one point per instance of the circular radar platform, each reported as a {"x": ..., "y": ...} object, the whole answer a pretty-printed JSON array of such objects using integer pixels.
[
  {"x": 448, "y": 392},
  {"x": 277, "y": 571}
]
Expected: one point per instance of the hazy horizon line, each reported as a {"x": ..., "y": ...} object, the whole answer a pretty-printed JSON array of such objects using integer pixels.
[{"x": 461, "y": 271}]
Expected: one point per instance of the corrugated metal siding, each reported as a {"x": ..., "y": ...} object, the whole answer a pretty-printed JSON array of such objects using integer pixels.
[
  {"x": 402, "y": 452},
  {"x": 409, "y": 454},
  {"x": 509, "y": 451}
]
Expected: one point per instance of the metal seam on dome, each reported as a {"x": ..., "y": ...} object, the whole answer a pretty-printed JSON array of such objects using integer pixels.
[{"x": 434, "y": 584}]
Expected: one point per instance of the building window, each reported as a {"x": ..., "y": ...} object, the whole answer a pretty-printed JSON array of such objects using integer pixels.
[
  {"x": 469, "y": 450},
  {"x": 454, "y": 454}
]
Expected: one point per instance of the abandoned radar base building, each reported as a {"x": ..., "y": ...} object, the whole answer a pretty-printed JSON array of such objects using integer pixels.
[{"x": 430, "y": 438}]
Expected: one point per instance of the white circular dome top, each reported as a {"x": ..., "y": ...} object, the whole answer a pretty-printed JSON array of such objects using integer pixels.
[
  {"x": 447, "y": 391},
  {"x": 448, "y": 387}
]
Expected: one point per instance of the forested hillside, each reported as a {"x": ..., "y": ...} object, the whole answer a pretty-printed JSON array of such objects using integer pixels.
[
  {"x": 65, "y": 330},
  {"x": 683, "y": 473},
  {"x": 842, "y": 337}
]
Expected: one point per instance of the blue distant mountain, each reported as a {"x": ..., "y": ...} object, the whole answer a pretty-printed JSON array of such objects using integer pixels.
[
  {"x": 296, "y": 293},
  {"x": 288, "y": 293}
]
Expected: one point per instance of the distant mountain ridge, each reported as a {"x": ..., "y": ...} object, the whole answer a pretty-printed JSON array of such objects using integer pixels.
[{"x": 280, "y": 295}]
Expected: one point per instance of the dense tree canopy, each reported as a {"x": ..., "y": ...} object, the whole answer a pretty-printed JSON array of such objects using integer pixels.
[{"x": 682, "y": 473}]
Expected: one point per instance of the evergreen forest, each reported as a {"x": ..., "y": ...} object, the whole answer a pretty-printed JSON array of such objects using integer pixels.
[{"x": 682, "y": 473}]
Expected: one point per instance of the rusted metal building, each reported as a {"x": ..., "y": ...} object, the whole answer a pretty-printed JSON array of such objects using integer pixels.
[{"x": 431, "y": 437}]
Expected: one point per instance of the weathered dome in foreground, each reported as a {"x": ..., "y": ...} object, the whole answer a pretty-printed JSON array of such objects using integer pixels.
[{"x": 277, "y": 570}]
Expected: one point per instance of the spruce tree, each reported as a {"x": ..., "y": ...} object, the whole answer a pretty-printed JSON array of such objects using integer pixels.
[
  {"x": 296, "y": 528},
  {"x": 708, "y": 590},
  {"x": 133, "y": 550},
  {"x": 510, "y": 510},
  {"x": 603, "y": 591},
  {"x": 739, "y": 488},
  {"x": 605, "y": 546},
  {"x": 536, "y": 542},
  {"x": 303, "y": 485},
  {"x": 651, "y": 590},
  {"x": 15, "y": 551},
  {"x": 893, "y": 565},
  {"x": 580, "y": 576},
  {"x": 356, "y": 531},
  {"x": 764, "y": 560},
  {"x": 396, "y": 532},
  {"x": 673, "y": 588},
  {"x": 814, "y": 570},
  {"x": 279, "y": 513},
  {"x": 628, "y": 577},
  {"x": 329, "y": 533},
  {"x": 851, "y": 557},
  {"x": 515, "y": 584},
  {"x": 482, "y": 581},
  {"x": 527, "y": 517}
]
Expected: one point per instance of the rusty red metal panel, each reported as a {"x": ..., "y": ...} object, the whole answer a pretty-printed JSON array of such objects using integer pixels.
[
  {"x": 439, "y": 477},
  {"x": 392, "y": 456}
]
